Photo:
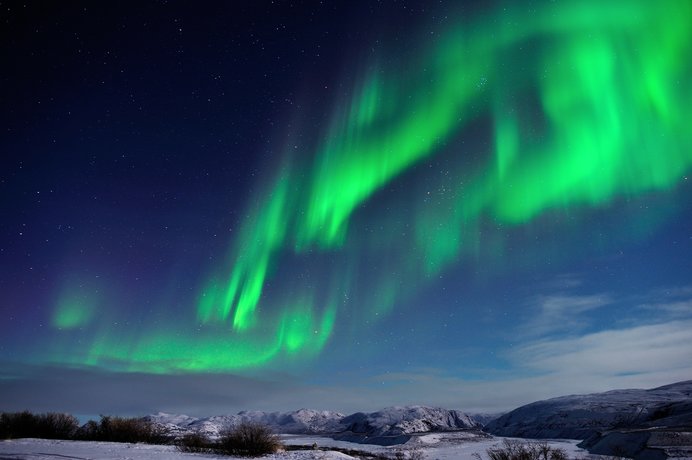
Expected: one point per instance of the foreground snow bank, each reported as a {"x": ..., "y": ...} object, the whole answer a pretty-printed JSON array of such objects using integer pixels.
[
  {"x": 46, "y": 449},
  {"x": 437, "y": 446}
]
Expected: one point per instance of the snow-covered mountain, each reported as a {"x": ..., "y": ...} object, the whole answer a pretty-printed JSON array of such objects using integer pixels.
[
  {"x": 394, "y": 425},
  {"x": 391, "y": 426},
  {"x": 303, "y": 421},
  {"x": 581, "y": 416},
  {"x": 641, "y": 444},
  {"x": 484, "y": 418},
  {"x": 647, "y": 418}
]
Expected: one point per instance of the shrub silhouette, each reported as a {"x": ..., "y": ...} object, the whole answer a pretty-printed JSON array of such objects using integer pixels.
[
  {"x": 195, "y": 442},
  {"x": 50, "y": 425},
  {"x": 516, "y": 450},
  {"x": 249, "y": 440},
  {"x": 121, "y": 429},
  {"x": 56, "y": 426},
  {"x": 53, "y": 425},
  {"x": 17, "y": 425},
  {"x": 88, "y": 431}
]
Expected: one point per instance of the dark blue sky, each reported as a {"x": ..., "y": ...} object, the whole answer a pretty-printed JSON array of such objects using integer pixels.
[{"x": 341, "y": 205}]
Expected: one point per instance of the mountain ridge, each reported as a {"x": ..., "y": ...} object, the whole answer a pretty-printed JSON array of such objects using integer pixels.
[
  {"x": 392, "y": 425},
  {"x": 603, "y": 421},
  {"x": 581, "y": 416}
]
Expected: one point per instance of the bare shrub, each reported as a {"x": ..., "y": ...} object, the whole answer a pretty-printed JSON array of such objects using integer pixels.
[
  {"x": 27, "y": 425},
  {"x": 399, "y": 455},
  {"x": 88, "y": 431},
  {"x": 414, "y": 453},
  {"x": 53, "y": 425},
  {"x": 249, "y": 440},
  {"x": 195, "y": 442},
  {"x": 15, "y": 425},
  {"x": 120, "y": 429},
  {"x": 56, "y": 425},
  {"x": 517, "y": 450}
]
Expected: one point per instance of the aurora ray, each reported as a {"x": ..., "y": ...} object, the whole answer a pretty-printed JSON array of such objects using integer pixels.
[
  {"x": 581, "y": 104},
  {"x": 610, "y": 123}
]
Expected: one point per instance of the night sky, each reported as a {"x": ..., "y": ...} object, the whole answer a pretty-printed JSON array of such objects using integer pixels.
[{"x": 214, "y": 206}]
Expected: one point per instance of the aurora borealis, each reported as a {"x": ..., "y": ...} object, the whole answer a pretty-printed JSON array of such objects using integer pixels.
[{"x": 425, "y": 201}]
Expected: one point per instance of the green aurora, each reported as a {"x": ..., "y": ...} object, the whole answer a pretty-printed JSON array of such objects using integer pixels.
[
  {"x": 588, "y": 104},
  {"x": 76, "y": 306}
]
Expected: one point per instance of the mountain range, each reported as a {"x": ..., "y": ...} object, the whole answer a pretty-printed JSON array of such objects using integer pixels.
[
  {"x": 393, "y": 425},
  {"x": 640, "y": 424},
  {"x": 581, "y": 416}
]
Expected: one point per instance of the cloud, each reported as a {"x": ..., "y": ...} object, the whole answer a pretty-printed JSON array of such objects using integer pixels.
[
  {"x": 643, "y": 350},
  {"x": 644, "y": 356},
  {"x": 92, "y": 391},
  {"x": 672, "y": 292},
  {"x": 637, "y": 355},
  {"x": 560, "y": 312},
  {"x": 563, "y": 281},
  {"x": 674, "y": 309}
]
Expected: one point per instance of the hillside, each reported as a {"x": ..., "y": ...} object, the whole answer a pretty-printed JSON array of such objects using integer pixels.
[{"x": 581, "y": 416}]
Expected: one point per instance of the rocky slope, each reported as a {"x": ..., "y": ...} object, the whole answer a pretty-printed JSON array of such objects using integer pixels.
[
  {"x": 582, "y": 416},
  {"x": 642, "y": 444},
  {"x": 395, "y": 425}
]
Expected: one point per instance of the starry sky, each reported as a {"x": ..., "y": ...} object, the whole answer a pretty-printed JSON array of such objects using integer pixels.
[{"x": 216, "y": 206}]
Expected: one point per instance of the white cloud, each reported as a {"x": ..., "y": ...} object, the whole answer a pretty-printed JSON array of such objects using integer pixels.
[
  {"x": 644, "y": 356},
  {"x": 636, "y": 356},
  {"x": 637, "y": 350},
  {"x": 562, "y": 312},
  {"x": 674, "y": 309}
]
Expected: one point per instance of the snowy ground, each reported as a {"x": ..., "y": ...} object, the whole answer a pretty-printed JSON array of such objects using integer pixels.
[{"x": 437, "y": 446}]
